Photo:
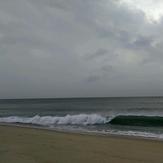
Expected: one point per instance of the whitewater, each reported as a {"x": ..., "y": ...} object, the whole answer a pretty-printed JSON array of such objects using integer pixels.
[{"x": 81, "y": 119}]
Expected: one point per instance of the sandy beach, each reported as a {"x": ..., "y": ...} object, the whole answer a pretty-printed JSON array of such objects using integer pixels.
[{"x": 27, "y": 145}]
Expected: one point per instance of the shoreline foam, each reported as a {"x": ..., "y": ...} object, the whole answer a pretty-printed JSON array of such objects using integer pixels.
[{"x": 79, "y": 132}]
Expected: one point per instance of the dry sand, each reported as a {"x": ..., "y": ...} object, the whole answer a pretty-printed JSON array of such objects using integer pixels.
[{"x": 26, "y": 145}]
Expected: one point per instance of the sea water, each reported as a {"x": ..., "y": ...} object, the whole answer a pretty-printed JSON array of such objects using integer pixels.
[{"x": 134, "y": 116}]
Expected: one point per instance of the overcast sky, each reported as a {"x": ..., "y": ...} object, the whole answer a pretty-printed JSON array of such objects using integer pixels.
[{"x": 78, "y": 48}]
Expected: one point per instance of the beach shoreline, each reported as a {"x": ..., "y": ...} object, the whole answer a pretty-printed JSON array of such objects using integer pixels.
[
  {"x": 79, "y": 132},
  {"x": 27, "y": 144}
]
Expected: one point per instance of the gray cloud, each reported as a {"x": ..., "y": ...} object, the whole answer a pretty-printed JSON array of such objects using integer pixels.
[
  {"x": 93, "y": 78},
  {"x": 97, "y": 54},
  {"x": 66, "y": 48}
]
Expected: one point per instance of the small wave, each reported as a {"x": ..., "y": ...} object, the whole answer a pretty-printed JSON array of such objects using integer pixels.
[
  {"x": 80, "y": 119},
  {"x": 137, "y": 134}
]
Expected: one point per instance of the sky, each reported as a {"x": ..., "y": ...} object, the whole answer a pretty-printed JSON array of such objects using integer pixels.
[{"x": 81, "y": 48}]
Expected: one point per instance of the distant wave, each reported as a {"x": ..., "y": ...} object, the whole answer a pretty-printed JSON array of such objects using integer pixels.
[{"x": 87, "y": 119}]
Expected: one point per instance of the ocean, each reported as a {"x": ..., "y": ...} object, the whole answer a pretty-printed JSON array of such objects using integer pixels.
[{"x": 133, "y": 116}]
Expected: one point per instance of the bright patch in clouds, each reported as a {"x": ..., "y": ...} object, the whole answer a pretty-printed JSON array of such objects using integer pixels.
[{"x": 153, "y": 9}]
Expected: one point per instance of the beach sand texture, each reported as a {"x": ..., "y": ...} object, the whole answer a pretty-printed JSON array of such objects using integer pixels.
[{"x": 26, "y": 145}]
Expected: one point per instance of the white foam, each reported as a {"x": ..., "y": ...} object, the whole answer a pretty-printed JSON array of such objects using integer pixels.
[
  {"x": 136, "y": 133},
  {"x": 80, "y": 119}
]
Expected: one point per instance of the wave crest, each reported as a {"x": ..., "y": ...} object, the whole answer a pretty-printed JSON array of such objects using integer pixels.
[{"x": 80, "y": 119}]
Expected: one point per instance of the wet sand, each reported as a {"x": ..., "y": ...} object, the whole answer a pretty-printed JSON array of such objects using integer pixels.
[{"x": 27, "y": 145}]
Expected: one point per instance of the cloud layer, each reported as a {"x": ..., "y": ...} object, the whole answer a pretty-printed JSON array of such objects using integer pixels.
[{"x": 72, "y": 48}]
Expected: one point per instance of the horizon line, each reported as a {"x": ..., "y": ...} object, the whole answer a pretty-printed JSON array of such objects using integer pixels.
[{"x": 82, "y": 97}]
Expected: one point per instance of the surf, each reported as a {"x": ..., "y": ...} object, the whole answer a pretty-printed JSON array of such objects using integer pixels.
[
  {"x": 80, "y": 119},
  {"x": 88, "y": 119}
]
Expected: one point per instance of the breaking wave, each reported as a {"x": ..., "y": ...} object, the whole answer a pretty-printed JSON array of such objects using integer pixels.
[
  {"x": 88, "y": 119},
  {"x": 133, "y": 120},
  {"x": 80, "y": 119}
]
